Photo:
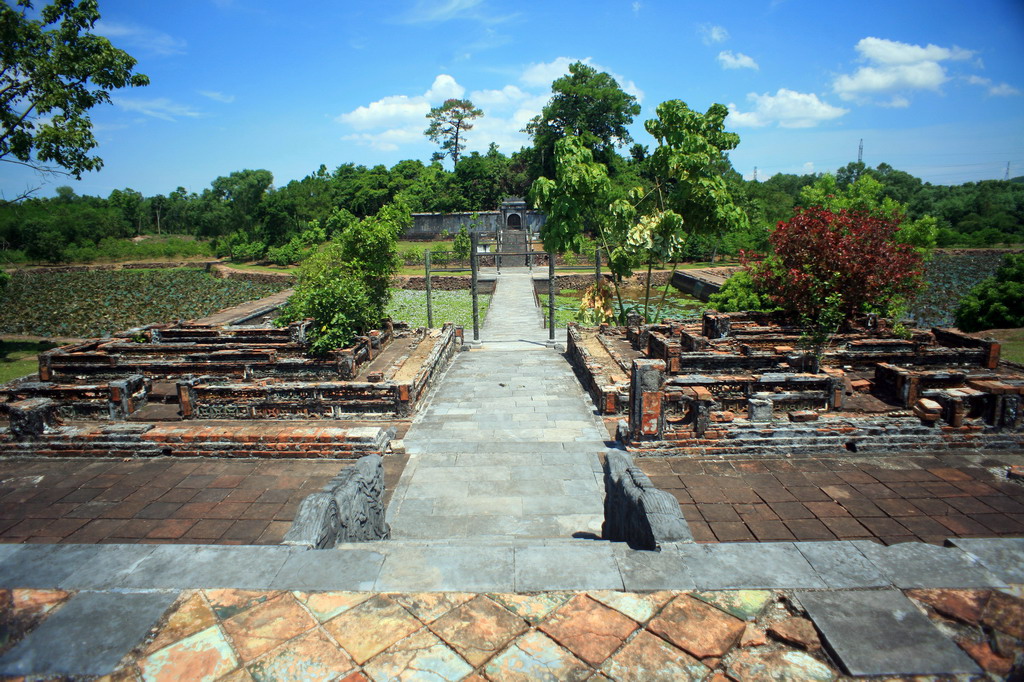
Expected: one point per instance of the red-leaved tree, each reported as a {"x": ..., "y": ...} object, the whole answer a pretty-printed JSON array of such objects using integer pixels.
[{"x": 846, "y": 260}]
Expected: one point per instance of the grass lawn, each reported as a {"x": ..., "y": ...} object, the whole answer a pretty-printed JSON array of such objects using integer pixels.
[
  {"x": 290, "y": 269},
  {"x": 19, "y": 358},
  {"x": 1012, "y": 341}
]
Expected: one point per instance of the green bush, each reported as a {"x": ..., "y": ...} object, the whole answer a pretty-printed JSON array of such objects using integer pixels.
[
  {"x": 246, "y": 251},
  {"x": 996, "y": 303},
  {"x": 738, "y": 294},
  {"x": 462, "y": 244}
]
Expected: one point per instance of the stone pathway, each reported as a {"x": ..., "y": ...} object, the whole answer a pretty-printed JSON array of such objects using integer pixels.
[{"x": 508, "y": 446}]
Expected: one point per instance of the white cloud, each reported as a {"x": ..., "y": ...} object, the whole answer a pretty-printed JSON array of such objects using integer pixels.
[
  {"x": 728, "y": 60},
  {"x": 436, "y": 11},
  {"x": 394, "y": 121},
  {"x": 786, "y": 108},
  {"x": 217, "y": 96},
  {"x": 892, "y": 52},
  {"x": 996, "y": 90},
  {"x": 141, "y": 38},
  {"x": 160, "y": 107},
  {"x": 896, "y": 67},
  {"x": 637, "y": 6},
  {"x": 808, "y": 168},
  {"x": 711, "y": 34},
  {"x": 543, "y": 74}
]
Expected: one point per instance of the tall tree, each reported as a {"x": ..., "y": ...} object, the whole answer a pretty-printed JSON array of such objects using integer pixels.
[
  {"x": 448, "y": 125},
  {"x": 52, "y": 72},
  {"x": 586, "y": 103}
]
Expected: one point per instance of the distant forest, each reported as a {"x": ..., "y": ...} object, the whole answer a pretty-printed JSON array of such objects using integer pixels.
[{"x": 244, "y": 216}]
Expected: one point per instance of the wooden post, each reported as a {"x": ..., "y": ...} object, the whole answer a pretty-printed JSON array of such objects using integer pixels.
[
  {"x": 597, "y": 270},
  {"x": 551, "y": 297},
  {"x": 475, "y": 240},
  {"x": 430, "y": 306}
]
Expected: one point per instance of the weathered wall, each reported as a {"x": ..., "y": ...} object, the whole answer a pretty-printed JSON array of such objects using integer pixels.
[{"x": 429, "y": 225}]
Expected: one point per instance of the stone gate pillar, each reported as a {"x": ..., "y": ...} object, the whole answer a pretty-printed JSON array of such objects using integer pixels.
[{"x": 646, "y": 417}]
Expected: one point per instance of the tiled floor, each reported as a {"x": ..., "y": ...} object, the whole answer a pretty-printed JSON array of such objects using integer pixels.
[
  {"x": 234, "y": 635},
  {"x": 160, "y": 500},
  {"x": 886, "y": 498}
]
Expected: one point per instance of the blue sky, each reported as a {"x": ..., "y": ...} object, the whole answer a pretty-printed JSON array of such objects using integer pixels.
[{"x": 933, "y": 87}]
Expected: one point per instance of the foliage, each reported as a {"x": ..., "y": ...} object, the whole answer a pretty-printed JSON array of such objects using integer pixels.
[
  {"x": 448, "y": 124},
  {"x": 865, "y": 195},
  {"x": 596, "y": 305},
  {"x": 586, "y": 104},
  {"x": 849, "y": 253},
  {"x": 997, "y": 302},
  {"x": 53, "y": 70},
  {"x": 448, "y": 306},
  {"x": 821, "y": 325},
  {"x": 345, "y": 286},
  {"x": 5, "y": 279},
  {"x": 463, "y": 244},
  {"x": 96, "y": 302},
  {"x": 739, "y": 294}
]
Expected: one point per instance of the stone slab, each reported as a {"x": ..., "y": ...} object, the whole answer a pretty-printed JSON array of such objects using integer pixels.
[
  {"x": 567, "y": 566},
  {"x": 880, "y": 632},
  {"x": 209, "y": 567},
  {"x": 89, "y": 635},
  {"x": 344, "y": 568},
  {"x": 446, "y": 568},
  {"x": 1003, "y": 557},
  {"x": 748, "y": 565},
  {"x": 644, "y": 571},
  {"x": 841, "y": 565},
  {"x": 71, "y": 566},
  {"x": 917, "y": 565}
]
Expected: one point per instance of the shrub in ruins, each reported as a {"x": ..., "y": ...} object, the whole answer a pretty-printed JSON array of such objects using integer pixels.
[
  {"x": 997, "y": 302},
  {"x": 345, "y": 286}
]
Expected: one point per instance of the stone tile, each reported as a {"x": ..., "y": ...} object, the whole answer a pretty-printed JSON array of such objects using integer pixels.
[
  {"x": 70, "y": 567},
  {"x": 229, "y": 602},
  {"x": 312, "y": 656},
  {"x": 643, "y": 570},
  {"x": 1005, "y": 613},
  {"x": 205, "y": 656},
  {"x": 371, "y": 627},
  {"x": 639, "y": 607},
  {"x": 1003, "y": 557},
  {"x": 647, "y": 658},
  {"x": 532, "y": 607},
  {"x": 447, "y": 568},
  {"x": 478, "y": 629},
  {"x": 696, "y": 627},
  {"x": 535, "y": 657},
  {"x": 915, "y": 564},
  {"x": 190, "y": 566},
  {"x": 192, "y": 615},
  {"x": 88, "y": 635},
  {"x": 326, "y": 605},
  {"x": 265, "y": 626},
  {"x": 765, "y": 665},
  {"x": 429, "y": 606},
  {"x": 338, "y": 569},
  {"x": 34, "y": 603},
  {"x": 841, "y": 565},
  {"x": 589, "y": 629},
  {"x": 965, "y": 606},
  {"x": 566, "y": 567},
  {"x": 418, "y": 657},
  {"x": 744, "y": 604},
  {"x": 765, "y": 565},
  {"x": 880, "y": 632}
]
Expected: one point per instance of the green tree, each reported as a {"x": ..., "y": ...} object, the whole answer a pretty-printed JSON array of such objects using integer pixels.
[
  {"x": 588, "y": 104},
  {"x": 448, "y": 124},
  {"x": 53, "y": 71},
  {"x": 997, "y": 302}
]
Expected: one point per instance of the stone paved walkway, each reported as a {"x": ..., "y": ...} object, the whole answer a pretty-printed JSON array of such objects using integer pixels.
[{"x": 508, "y": 447}]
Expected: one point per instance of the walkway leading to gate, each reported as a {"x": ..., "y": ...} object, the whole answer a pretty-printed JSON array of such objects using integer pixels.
[{"x": 508, "y": 446}]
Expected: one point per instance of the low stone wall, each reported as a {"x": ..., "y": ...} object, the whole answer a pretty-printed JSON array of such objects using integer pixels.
[
  {"x": 444, "y": 283},
  {"x": 114, "y": 400},
  {"x": 313, "y": 440},
  {"x": 635, "y": 511},
  {"x": 350, "y": 509}
]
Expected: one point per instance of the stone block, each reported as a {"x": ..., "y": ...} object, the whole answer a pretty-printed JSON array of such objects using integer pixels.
[
  {"x": 637, "y": 512},
  {"x": 722, "y": 417},
  {"x": 30, "y": 418},
  {"x": 803, "y": 416},
  {"x": 759, "y": 409}
]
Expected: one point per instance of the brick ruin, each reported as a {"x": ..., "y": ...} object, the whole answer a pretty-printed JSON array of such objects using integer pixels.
[
  {"x": 737, "y": 383},
  {"x": 188, "y": 389}
]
